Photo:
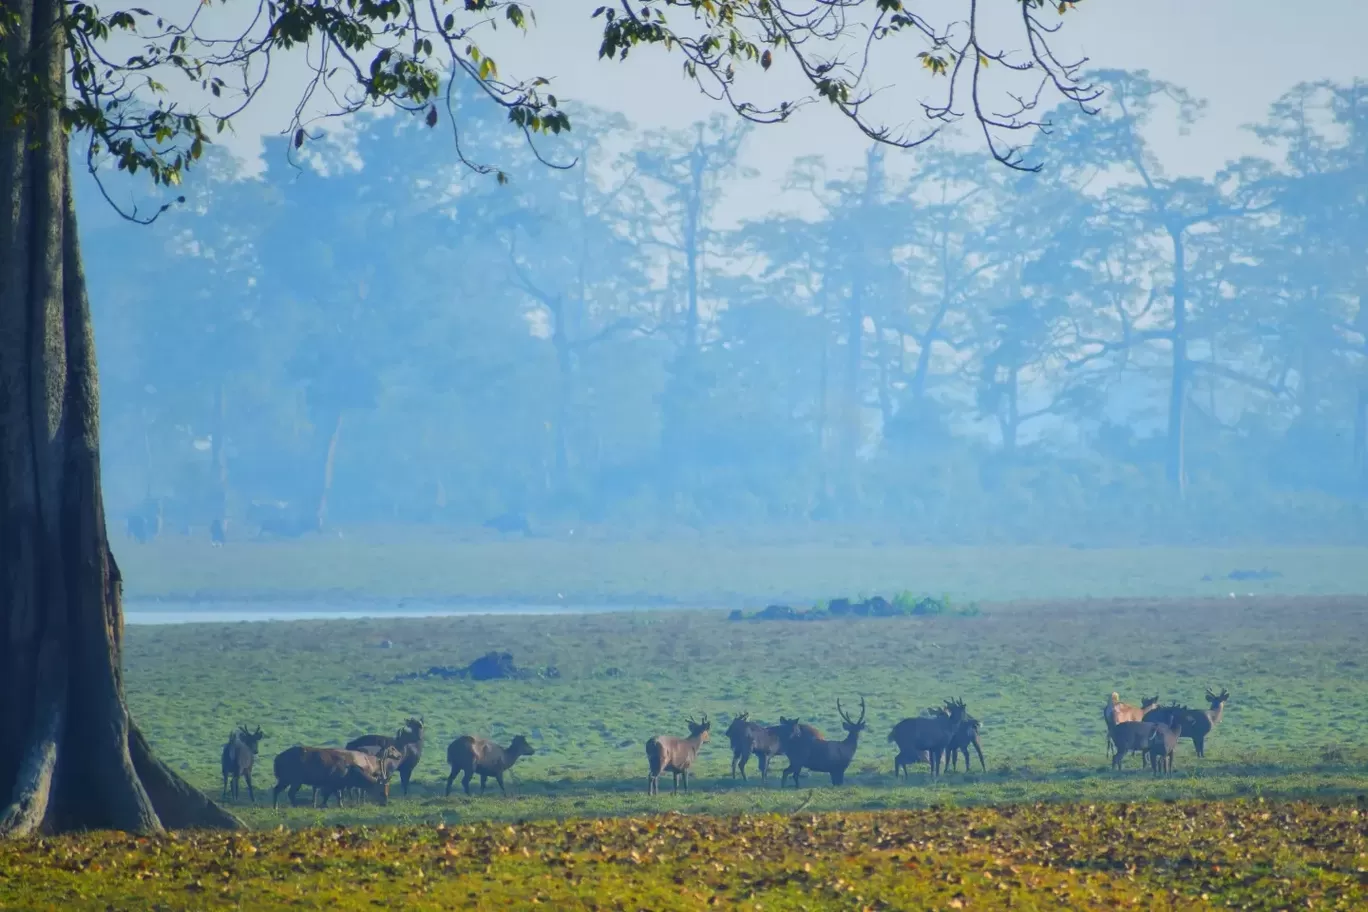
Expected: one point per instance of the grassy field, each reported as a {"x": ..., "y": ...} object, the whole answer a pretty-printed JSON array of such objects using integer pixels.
[
  {"x": 1037, "y": 676},
  {"x": 712, "y": 572},
  {"x": 1246, "y": 854}
]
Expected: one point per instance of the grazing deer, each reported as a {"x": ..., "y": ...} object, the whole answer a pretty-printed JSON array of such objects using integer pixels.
[
  {"x": 479, "y": 756},
  {"x": 749, "y": 738},
  {"x": 666, "y": 753},
  {"x": 1197, "y": 724},
  {"x": 1116, "y": 712},
  {"x": 820, "y": 755},
  {"x": 237, "y": 758},
  {"x": 1162, "y": 742},
  {"x": 927, "y": 737},
  {"x": 407, "y": 740},
  {"x": 330, "y": 771}
]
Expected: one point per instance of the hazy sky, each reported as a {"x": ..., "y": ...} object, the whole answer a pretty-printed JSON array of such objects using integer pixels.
[{"x": 1239, "y": 55}]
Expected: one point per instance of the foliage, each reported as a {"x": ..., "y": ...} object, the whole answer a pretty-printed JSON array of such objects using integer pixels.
[
  {"x": 904, "y": 604},
  {"x": 594, "y": 347},
  {"x": 1251, "y": 854}
]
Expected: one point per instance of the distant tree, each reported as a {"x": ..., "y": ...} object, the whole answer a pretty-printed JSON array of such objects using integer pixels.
[{"x": 69, "y": 754}]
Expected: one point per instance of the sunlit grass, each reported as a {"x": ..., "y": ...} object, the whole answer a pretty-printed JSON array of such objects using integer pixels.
[{"x": 1248, "y": 854}]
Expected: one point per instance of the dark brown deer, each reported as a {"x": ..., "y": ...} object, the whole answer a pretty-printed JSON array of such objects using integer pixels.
[
  {"x": 1162, "y": 742},
  {"x": 927, "y": 737},
  {"x": 966, "y": 737},
  {"x": 1132, "y": 738},
  {"x": 785, "y": 731},
  {"x": 1197, "y": 723},
  {"x": 473, "y": 756},
  {"x": 751, "y": 738},
  {"x": 330, "y": 771},
  {"x": 407, "y": 740},
  {"x": 237, "y": 758},
  {"x": 1116, "y": 712},
  {"x": 820, "y": 755},
  {"x": 666, "y": 753}
]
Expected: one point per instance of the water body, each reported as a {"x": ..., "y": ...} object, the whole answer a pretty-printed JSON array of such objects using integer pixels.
[{"x": 209, "y": 611}]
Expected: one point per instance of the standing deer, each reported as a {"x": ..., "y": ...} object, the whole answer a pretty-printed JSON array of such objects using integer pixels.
[
  {"x": 751, "y": 738},
  {"x": 1132, "y": 737},
  {"x": 666, "y": 753},
  {"x": 478, "y": 756},
  {"x": 1116, "y": 712},
  {"x": 822, "y": 756},
  {"x": 1197, "y": 724},
  {"x": 237, "y": 758},
  {"x": 962, "y": 740},
  {"x": 927, "y": 736},
  {"x": 787, "y": 730},
  {"x": 1162, "y": 742},
  {"x": 407, "y": 740}
]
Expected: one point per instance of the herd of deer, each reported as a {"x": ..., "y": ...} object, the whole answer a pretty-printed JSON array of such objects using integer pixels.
[
  {"x": 1152, "y": 731},
  {"x": 366, "y": 764}
]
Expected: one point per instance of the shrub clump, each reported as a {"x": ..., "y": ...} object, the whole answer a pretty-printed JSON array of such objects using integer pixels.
[{"x": 904, "y": 604}]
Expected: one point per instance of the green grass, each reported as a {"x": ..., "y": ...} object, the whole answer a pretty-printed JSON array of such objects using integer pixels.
[
  {"x": 1247, "y": 854},
  {"x": 1037, "y": 676},
  {"x": 711, "y": 573}
]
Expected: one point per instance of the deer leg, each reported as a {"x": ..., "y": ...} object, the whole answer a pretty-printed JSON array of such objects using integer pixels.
[
  {"x": 451, "y": 779},
  {"x": 404, "y": 779},
  {"x": 225, "y": 785},
  {"x": 250, "y": 792},
  {"x": 484, "y": 779},
  {"x": 763, "y": 760},
  {"x": 465, "y": 780},
  {"x": 1199, "y": 742},
  {"x": 498, "y": 777},
  {"x": 676, "y": 783},
  {"x": 294, "y": 794}
]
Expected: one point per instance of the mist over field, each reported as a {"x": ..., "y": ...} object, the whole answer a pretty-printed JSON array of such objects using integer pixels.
[{"x": 941, "y": 351}]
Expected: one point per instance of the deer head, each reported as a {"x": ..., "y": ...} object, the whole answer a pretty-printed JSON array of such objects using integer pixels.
[
  {"x": 850, "y": 725},
  {"x": 1217, "y": 699},
  {"x": 699, "y": 730}
]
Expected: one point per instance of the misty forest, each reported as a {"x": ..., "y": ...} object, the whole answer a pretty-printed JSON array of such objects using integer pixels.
[{"x": 937, "y": 346}]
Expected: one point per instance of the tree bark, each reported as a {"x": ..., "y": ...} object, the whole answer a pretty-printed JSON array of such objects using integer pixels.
[{"x": 70, "y": 757}]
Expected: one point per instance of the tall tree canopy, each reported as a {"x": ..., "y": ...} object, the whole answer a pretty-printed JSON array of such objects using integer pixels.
[{"x": 148, "y": 94}]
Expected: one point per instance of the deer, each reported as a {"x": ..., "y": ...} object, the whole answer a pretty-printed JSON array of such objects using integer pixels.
[
  {"x": 479, "y": 756},
  {"x": 1197, "y": 724},
  {"x": 1116, "y": 712},
  {"x": 787, "y": 730},
  {"x": 1132, "y": 737},
  {"x": 749, "y": 738},
  {"x": 927, "y": 736},
  {"x": 330, "y": 771},
  {"x": 822, "y": 756},
  {"x": 1162, "y": 742},
  {"x": 666, "y": 753},
  {"x": 967, "y": 736},
  {"x": 408, "y": 740},
  {"x": 237, "y": 758}
]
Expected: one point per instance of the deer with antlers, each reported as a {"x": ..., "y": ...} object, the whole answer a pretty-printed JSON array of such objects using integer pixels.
[
  {"x": 820, "y": 756},
  {"x": 1197, "y": 724},
  {"x": 666, "y": 753}
]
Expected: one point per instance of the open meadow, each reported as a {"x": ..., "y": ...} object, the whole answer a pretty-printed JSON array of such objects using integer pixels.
[
  {"x": 1271, "y": 818},
  {"x": 1035, "y": 674}
]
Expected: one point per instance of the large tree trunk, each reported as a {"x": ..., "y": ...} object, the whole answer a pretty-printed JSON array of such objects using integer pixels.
[{"x": 70, "y": 757}]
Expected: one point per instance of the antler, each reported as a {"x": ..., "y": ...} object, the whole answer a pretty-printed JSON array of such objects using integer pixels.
[{"x": 862, "y": 710}]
